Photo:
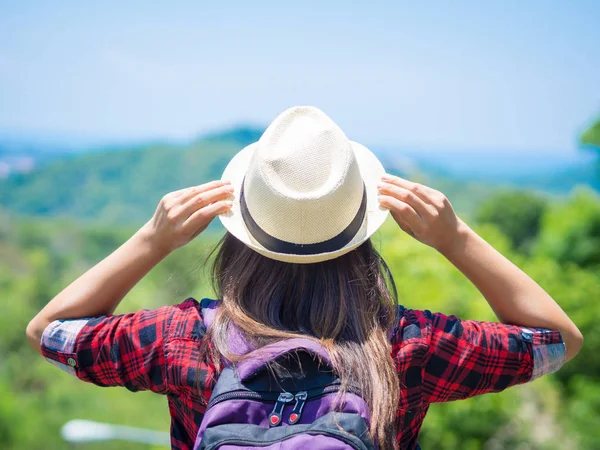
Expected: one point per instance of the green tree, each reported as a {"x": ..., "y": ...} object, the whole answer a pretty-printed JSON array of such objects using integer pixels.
[
  {"x": 570, "y": 231},
  {"x": 517, "y": 214},
  {"x": 591, "y": 136},
  {"x": 590, "y": 141}
]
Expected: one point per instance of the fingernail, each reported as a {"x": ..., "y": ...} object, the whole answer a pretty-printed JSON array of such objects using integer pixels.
[
  {"x": 386, "y": 177},
  {"x": 229, "y": 188},
  {"x": 226, "y": 181}
]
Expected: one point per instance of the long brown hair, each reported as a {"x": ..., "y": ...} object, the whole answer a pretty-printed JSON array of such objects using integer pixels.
[{"x": 348, "y": 304}]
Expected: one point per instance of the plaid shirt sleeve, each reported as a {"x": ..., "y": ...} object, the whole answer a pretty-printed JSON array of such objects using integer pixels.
[
  {"x": 114, "y": 350},
  {"x": 465, "y": 358}
]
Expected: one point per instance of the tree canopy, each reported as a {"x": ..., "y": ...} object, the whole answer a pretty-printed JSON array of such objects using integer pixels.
[{"x": 591, "y": 136}]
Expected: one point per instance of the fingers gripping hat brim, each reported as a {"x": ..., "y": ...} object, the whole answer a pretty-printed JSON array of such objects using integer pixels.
[{"x": 371, "y": 171}]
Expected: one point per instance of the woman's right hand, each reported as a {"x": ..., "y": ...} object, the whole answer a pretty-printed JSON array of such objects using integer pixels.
[
  {"x": 422, "y": 212},
  {"x": 182, "y": 215}
]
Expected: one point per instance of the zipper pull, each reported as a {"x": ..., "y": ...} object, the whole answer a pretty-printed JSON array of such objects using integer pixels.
[
  {"x": 275, "y": 416},
  {"x": 297, "y": 411}
]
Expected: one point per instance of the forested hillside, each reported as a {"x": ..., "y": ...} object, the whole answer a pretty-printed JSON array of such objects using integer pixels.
[{"x": 120, "y": 185}]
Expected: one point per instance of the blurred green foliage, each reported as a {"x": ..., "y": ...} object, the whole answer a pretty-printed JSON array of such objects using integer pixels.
[
  {"x": 571, "y": 231},
  {"x": 555, "y": 242},
  {"x": 591, "y": 136},
  {"x": 516, "y": 213}
]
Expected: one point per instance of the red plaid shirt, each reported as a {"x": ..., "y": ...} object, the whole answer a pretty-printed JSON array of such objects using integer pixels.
[{"x": 439, "y": 358}]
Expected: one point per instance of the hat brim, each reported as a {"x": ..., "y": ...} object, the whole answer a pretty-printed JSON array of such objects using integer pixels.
[{"x": 371, "y": 171}]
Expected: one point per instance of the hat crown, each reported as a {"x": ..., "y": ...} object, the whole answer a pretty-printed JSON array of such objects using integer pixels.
[
  {"x": 303, "y": 184},
  {"x": 304, "y": 153}
]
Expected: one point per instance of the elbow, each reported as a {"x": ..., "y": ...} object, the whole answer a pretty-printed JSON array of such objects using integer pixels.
[
  {"x": 34, "y": 333},
  {"x": 573, "y": 342}
]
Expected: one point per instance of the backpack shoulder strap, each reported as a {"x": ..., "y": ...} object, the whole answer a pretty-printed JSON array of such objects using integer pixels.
[
  {"x": 236, "y": 340},
  {"x": 208, "y": 309}
]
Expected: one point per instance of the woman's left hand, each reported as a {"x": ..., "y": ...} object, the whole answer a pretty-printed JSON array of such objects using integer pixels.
[{"x": 182, "y": 215}]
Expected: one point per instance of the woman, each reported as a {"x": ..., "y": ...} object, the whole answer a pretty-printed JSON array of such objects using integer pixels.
[{"x": 299, "y": 207}]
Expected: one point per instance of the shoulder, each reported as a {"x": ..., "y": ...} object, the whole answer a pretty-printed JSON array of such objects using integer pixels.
[
  {"x": 412, "y": 325},
  {"x": 409, "y": 337},
  {"x": 191, "y": 318},
  {"x": 188, "y": 368}
]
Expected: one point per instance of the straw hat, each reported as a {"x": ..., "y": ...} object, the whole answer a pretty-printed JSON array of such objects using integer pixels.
[{"x": 304, "y": 192}]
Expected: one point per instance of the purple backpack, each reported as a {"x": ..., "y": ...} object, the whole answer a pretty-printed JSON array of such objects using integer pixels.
[{"x": 254, "y": 407}]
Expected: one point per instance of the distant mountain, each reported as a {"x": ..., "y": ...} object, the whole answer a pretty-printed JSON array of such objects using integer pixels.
[
  {"x": 550, "y": 172},
  {"x": 242, "y": 135},
  {"x": 23, "y": 155},
  {"x": 120, "y": 186},
  {"x": 25, "y": 152}
]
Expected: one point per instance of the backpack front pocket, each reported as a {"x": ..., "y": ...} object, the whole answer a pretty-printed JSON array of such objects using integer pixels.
[{"x": 333, "y": 431}]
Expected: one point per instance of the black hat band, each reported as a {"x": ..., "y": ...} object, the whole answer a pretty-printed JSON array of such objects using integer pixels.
[{"x": 277, "y": 245}]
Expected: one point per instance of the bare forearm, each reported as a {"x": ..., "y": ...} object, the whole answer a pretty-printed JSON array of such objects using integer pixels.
[
  {"x": 100, "y": 290},
  {"x": 514, "y": 297}
]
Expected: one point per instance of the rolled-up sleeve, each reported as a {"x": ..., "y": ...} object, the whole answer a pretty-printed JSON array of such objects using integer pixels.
[
  {"x": 549, "y": 350},
  {"x": 467, "y": 357},
  {"x": 114, "y": 350}
]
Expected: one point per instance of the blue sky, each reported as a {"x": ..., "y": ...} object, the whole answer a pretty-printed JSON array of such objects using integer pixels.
[{"x": 493, "y": 75}]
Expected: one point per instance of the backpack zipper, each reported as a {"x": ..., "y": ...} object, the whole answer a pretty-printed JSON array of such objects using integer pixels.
[
  {"x": 297, "y": 411},
  {"x": 237, "y": 394},
  {"x": 277, "y": 413},
  {"x": 273, "y": 396}
]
